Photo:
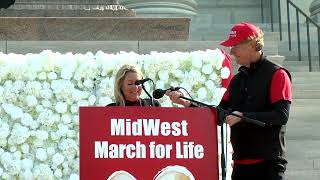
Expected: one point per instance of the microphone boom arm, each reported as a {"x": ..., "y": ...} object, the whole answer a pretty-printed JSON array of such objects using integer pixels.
[
  {"x": 246, "y": 119},
  {"x": 151, "y": 98}
]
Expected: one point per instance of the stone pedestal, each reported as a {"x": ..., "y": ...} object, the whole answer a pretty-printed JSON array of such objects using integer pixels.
[
  {"x": 315, "y": 10},
  {"x": 162, "y": 8},
  {"x": 93, "y": 29}
]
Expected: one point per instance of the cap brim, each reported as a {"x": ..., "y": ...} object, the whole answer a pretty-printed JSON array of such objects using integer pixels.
[{"x": 228, "y": 43}]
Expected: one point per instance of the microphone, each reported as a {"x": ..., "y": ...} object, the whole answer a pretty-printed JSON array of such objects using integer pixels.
[
  {"x": 138, "y": 82},
  {"x": 159, "y": 93}
]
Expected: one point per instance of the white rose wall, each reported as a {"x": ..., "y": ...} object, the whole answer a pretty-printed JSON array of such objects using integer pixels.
[{"x": 40, "y": 96}]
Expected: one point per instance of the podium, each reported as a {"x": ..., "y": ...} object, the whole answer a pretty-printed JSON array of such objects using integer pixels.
[{"x": 144, "y": 140}]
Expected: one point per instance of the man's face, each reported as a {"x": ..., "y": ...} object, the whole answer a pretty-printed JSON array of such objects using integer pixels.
[{"x": 243, "y": 52}]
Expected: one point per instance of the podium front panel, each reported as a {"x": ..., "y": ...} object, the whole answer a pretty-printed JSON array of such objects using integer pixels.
[{"x": 144, "y": 140}]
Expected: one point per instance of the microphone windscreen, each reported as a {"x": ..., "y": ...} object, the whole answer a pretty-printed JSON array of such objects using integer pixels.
[{"x": 158, "y": 93}]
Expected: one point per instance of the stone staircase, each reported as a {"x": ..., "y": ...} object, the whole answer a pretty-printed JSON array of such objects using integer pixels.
[{"x": 303, "y": 137}]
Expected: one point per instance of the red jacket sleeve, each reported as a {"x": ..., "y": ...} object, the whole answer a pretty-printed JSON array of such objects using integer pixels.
[
  {"x": 227, "y": 62},
  {"x": 280, "y": 86}
]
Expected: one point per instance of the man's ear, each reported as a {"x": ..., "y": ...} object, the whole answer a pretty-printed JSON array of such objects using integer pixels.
[{"x": 253, "y": 45}]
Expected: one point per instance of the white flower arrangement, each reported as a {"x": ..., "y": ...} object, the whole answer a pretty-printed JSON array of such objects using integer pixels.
[{"x": 40, "y": 95}]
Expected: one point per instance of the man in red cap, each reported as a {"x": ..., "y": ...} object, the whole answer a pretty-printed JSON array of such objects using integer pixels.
[{"x": 262, "y": 91}]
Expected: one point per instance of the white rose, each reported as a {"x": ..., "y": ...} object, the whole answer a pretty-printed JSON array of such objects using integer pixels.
[
  {"x": 14, "y": 111},
  {"x": 163, "y": 75},
  {"x": 26, "y": 119},
  {"x": 17, "y": 155},
  {"x": 92, "y": 99},
  {"x": 41, "y": 154},
  {"x": 66, "y": 119},
  {"x": 88, "y": 83},
  {"x": 4, "y": 130},
  {"x": 104, "y": 101},
  {"x": 196, "y": 62},
  {"x": 57, "y": 159},
  {"x": 52, "y": 76},
  {"x": 50, "y": 151},
  {"x": 27, "y": 164},
  {"x": 25, "y": 148},
  {"x": 46, "y": 93},
  {"x": 202, "y": 93},
  {"x": 19, "y": 134},
  {"x": 12, "y": 149},
  {"x": 213, "y": 76},
  {"x": 225, "y": 73},
  {"x": 210, "y": 84},
  {"x": 74, "y": 109},
  {"x": 63, "y": 130},
  {"x": 207, "y": 69},
  {"x": 58, "y": 173},
  {"x": 31, "y": 100},
  {"x": 27, "y": 174},
  {"x": 46, "y": 104},
  {"x": 66, "y": 73},
  {"x": 42, "y": 76},
  {"x": 61, "y": 107},
  {"x": 41, "y": 135},
  {"x": 71, "y": 133},
  {"x": 11, "y": 165},
  {"x": 74, "y": 177},
  {"x": 42, "y": 171},
  {"x": 160, "y": 85}
]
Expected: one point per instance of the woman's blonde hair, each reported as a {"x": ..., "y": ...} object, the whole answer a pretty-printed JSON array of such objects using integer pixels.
[{"x": 121, "y": 74}]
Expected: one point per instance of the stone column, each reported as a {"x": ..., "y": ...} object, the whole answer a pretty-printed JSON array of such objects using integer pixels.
[
  {"x": 315, "y": 10},
  {"x": 162, "y": 7}
]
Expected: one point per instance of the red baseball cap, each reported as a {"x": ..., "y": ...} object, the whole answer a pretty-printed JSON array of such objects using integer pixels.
[{"x": 240, "y": 32}]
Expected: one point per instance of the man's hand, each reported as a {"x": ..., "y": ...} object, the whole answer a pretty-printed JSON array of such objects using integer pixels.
[
  {"x": 232, "y": 120},
  {"x": 175, "y": 98}
]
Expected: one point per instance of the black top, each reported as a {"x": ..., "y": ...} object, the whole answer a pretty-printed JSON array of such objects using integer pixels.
[{"x": 140, "y": 102}]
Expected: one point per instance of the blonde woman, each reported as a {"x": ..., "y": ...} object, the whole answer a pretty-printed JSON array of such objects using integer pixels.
[{"x": 126, "y": 93}]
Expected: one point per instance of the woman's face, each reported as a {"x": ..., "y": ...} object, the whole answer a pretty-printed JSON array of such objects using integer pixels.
[{"x": 131, "y": 91}]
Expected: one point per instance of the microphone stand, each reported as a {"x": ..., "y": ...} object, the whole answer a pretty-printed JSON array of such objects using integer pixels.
[
  {"x": 151, "y": 98},
  {"x": 246, "y": 119}
]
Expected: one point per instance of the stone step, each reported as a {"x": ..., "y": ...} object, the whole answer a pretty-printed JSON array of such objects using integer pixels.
[
  {"x": 305, "y": 74},
  {"x": 315, "y": 80},
  {"x": 309, "y": 103},
  {"x": 304, "y": 122},
  {"x": 301, "y": 64},
  {"x": 306, "y": 86},
  {"x": 303, "y": 174},
  {"x": 304, "y": 58},
  {"x": 284, "y": 48},
  {"x": 306, "y": 93},
  {"x": 303, "y": 151}
]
